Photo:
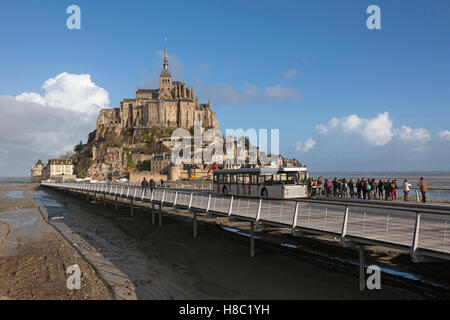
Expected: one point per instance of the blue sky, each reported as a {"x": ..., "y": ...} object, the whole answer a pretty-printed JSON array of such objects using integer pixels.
[{"x": 319, "y": 54}]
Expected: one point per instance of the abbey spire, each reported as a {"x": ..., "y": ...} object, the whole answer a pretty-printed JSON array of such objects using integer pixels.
[
  {"x": 165, "y": 79},
  {"x": 165, "y": 71}
]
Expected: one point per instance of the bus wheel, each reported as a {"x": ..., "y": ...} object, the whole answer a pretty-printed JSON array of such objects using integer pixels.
[
  {"x": 264, "y": 193},
  {"x": 225, "y": 190}
]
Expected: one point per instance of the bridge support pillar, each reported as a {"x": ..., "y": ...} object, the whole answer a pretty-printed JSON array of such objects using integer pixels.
[
  {"x": 104, "y": 199},
  {"x": 252, "y": 239},
  {"x": 362, "y": 269},
  {"x": 131, "y": 208},
  {"x": 195, "y": 224},
  {"x": 160, "y": 215},
  {"x": 153, "y": 213},
  {"x": 116, "y": 203}
]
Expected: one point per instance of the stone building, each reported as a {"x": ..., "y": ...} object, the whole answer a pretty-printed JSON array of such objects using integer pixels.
[
  {"x": 36, "y": 171},
  {"x": 58, "y": 169},
  {"x": 173, "y": 104}
]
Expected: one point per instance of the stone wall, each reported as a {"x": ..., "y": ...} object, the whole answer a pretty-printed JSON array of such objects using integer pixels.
[
  {"x": 137, "y": 157},
  {"x": 137, "y": 177}
]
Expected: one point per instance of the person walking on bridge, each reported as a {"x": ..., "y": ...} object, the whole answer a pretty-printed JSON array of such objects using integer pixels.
[
  {"x": 394, "y": 188},
  {"x": 144, "y": 185},
  {"x": 423, "y": 189},
  {"x": 406, "y": 188},
  {"x": 152, "y": 185},
  {"x": 380, "y": 189}
]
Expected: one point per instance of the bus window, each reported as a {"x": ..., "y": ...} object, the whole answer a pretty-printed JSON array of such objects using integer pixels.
[
  {"x": 291, "y": 178},
  {"x": 254, "y": 179},
  {"x": 268, "y": 180}
]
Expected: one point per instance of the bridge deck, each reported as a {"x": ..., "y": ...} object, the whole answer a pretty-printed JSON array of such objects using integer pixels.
[{"x": 424, "y": 230}]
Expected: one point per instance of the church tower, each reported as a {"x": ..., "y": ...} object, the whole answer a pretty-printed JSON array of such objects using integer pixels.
[{"x": 165, "y": 79}]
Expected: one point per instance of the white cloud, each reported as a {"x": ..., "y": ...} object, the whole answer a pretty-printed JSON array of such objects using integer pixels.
[
  {"x": 407, "y": 134},
  {"x": 34, "y": 126},
  {"x": 304, "y": 146},
  {"x": 225, "y": 94},
  {"x": 289, "y": 74},
  {"x": 376, "y": 131},
  {"x": 279, "y": 93},
  {"x": 444, "y": 134},
  {"x": 74, "y": 92}
]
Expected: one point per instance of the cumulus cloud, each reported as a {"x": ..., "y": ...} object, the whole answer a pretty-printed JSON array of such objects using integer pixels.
[
  {"x": 74, "y": 92},
  {"x": 306, "y": 146},
  {"x": 376, "y": 131},
  {"x": 407, "y": 134},
  {"x": 42, "y": 126},
  {"x": 444, "y": 134},
  {"x": 225, "y": 94},
  {"x": 289, "y": 74}
]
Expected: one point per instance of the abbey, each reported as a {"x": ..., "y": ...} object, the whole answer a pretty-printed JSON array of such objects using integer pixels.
[{"x": 173, "y": 104}]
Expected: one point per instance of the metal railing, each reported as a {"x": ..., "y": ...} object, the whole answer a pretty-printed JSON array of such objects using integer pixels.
[{"x": 422, "y": 231}]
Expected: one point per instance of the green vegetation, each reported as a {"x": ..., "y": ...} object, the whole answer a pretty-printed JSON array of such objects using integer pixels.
[
  {"x": 87, "y": 162},
  {"x": 79, "y": 147},
  {"x": 130, "y": 165},
  {"x": 144, "y": 165},
  {"x": 113, "y": 140}
]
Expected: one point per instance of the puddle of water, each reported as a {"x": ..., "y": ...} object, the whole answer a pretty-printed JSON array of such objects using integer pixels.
[
  {"x": 19, "y": 218},
  {"x": 13, "y": 194},
  {"x": 45, "y": 200},
  {"x": 289, "y": 245},
  {"x": 237, "y": 231}
]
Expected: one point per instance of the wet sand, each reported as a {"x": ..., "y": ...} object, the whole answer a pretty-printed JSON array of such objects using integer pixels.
[
  {"x": 34, "y": 257},
  {"x": 134, "y": 259}
]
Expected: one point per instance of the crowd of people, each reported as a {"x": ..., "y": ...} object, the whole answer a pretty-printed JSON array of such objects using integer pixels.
[{"x": 363, "y": 188}]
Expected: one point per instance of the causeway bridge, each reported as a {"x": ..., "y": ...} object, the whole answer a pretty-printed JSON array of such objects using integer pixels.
[{"x": 422, "y": 230}]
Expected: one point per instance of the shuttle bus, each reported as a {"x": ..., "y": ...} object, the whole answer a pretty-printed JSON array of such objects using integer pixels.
[{"x": 281, "y": 183}]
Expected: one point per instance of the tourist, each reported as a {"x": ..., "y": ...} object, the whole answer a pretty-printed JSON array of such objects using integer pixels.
[
  {"x": 368, "y": 190},
  {"x": 152, "y": 185},
  {"x": 394, "y": 190},
  {"x": 328, "y": 187},
  {"x": 380, "y": 189},
  {"x": 387, "y": 190},
  {"x": 335, "y": 187},
  {"x": 423, "y": 188},
  {"x": 373, "y": 186},
  {"x": 358, "y": 188},
  {"x": 345, "y": 186},
  {"x": 351, "y": 188},
  {"x": 314, "y": 188},
  {"x": 144, "y": 185},
  {"x": 406, "y": 188},
  {"x": 364, "y": 188},
  {"x": 320, "y": 186}
]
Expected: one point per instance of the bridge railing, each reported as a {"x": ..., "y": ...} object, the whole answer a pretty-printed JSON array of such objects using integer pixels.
[{"x": 419, "y": 230}]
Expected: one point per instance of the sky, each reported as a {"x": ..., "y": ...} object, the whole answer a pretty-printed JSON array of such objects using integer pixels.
[{"x": 344, "y": 97}]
